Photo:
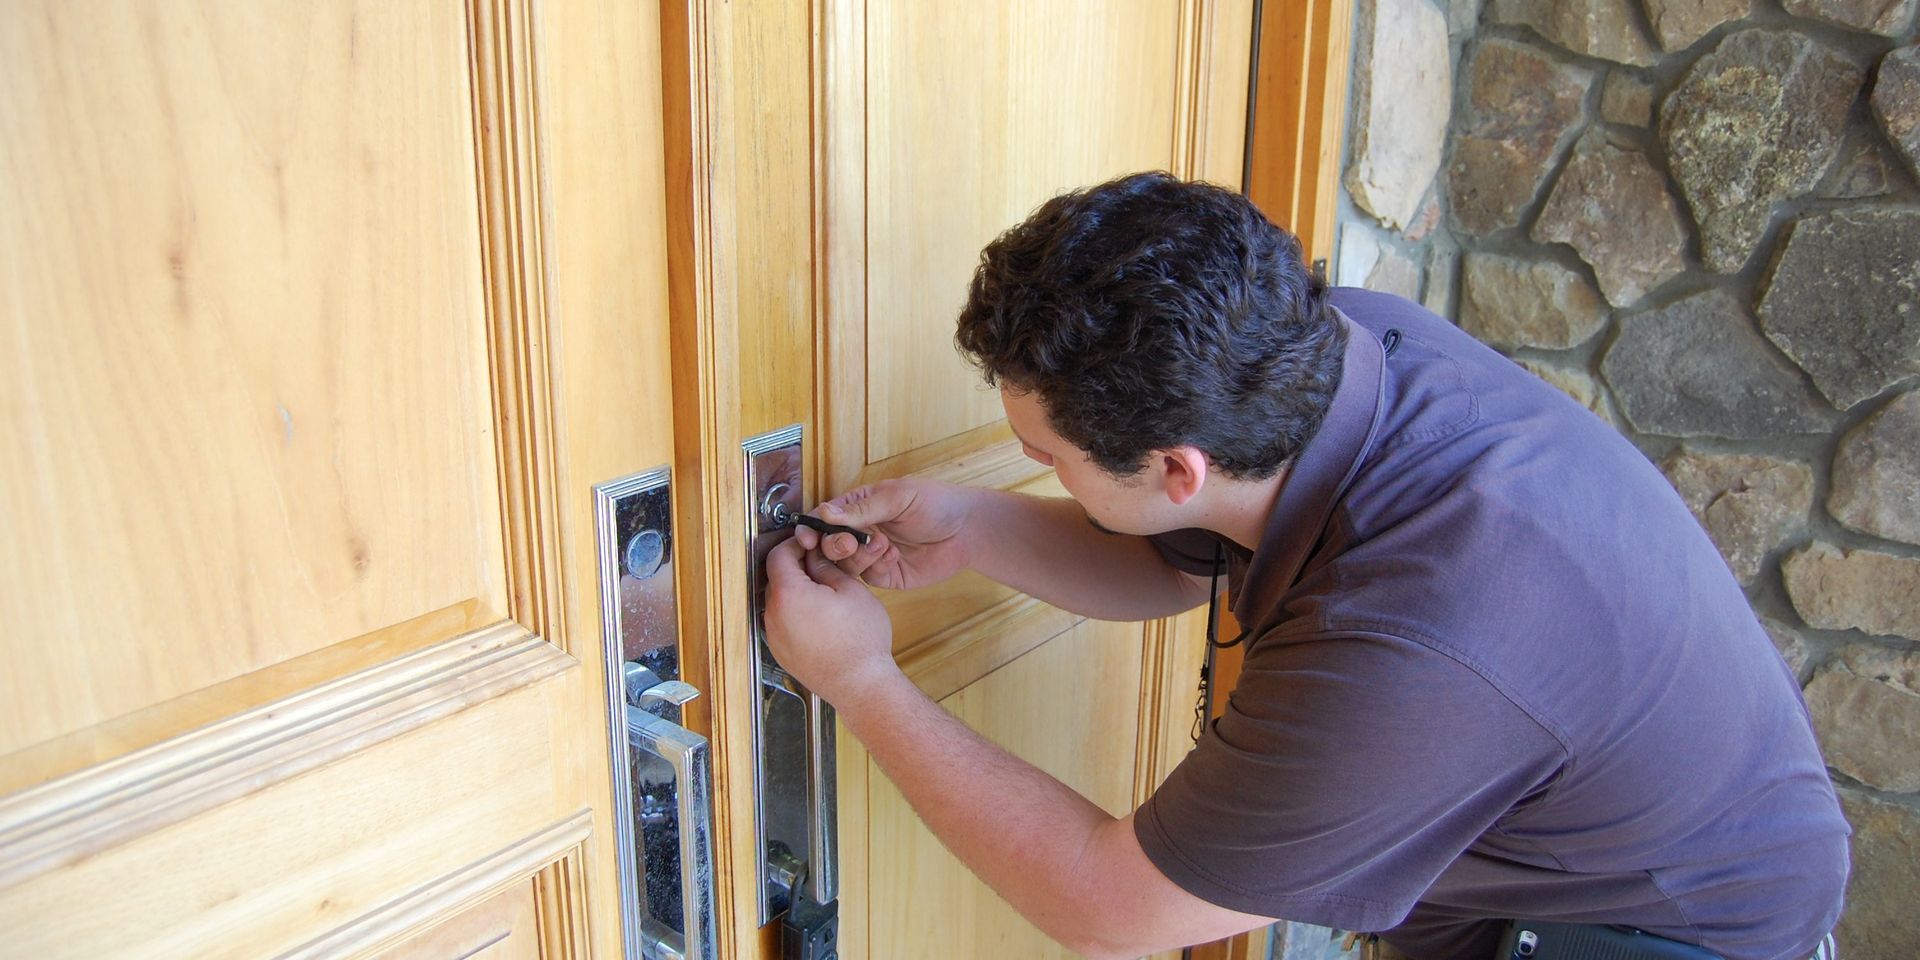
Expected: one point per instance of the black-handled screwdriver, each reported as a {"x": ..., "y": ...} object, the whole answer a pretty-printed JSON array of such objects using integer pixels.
[{"x": 827, "y": 529}]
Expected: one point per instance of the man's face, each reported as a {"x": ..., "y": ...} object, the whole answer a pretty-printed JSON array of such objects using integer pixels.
[{"x": 1113, "y": 504}]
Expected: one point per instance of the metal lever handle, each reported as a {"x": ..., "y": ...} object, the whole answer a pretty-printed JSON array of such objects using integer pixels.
[{"x": 689, "y": 820}]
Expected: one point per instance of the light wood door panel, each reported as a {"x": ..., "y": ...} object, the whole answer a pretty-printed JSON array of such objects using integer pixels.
[
  {"x": 501, "y": 928},
  {"x": 942, "y": 126},
  {"x": 319, "y": 850},
  {"x": 833, "y": 171},
  {"x": 976, "y": 112},
  {"x": 1086, "y": 738},
  {"x": 246, "y": 370},
  {"x": 962, "y": 119},
  {"x": 320, "y": 321}
]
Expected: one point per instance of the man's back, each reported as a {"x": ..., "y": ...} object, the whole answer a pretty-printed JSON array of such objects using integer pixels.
[{"x": 1497, "y": 670}]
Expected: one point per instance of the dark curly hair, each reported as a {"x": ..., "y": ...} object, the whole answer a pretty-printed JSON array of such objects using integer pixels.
[{"x": 1150, "y": 312}]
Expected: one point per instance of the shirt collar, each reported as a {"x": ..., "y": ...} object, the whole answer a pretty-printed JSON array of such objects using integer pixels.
[{"x": 1320, "y": 474}]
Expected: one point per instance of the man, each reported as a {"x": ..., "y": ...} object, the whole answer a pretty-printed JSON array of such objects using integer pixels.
[{"x": 1494, "y": 667}]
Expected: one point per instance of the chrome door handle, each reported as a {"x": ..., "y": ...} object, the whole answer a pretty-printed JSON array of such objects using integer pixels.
[
  {"x": 662, "y": 772},
  {"x": 797, "y": 819},
  {"x": 678, "y": 805}
]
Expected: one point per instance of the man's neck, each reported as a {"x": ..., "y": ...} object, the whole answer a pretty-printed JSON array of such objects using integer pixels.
[{"x": 1241, "y": 508}]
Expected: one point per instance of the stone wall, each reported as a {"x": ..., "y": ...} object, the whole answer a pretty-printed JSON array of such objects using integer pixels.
[{"x": 1701, "y": 218}]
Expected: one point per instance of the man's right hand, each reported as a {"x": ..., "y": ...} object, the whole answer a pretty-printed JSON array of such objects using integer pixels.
[{"x": 919, "y": 532}]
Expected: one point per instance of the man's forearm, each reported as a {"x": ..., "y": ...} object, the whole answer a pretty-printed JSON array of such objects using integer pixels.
[
  {"x": 1016, "y": 827},
  {"x": 1044, "y": 546}
]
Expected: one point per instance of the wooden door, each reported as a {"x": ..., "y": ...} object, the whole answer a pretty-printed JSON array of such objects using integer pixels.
[
  {"x": 963, "y": 118},
  {"x": 837, "y": 167},
  {"x": 320, "y": 318}
]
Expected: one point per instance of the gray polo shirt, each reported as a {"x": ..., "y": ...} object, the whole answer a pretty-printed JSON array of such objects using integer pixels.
[{"x": 1495, "y": 669}]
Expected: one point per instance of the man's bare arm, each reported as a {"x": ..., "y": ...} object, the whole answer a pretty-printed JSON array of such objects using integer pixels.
[
  {"x": 1069, "y": 867},
  {"x": 1045, "y": 547}
]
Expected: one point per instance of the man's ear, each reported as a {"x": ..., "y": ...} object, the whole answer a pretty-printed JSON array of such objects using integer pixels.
[{"x": 1186, "y": 473}]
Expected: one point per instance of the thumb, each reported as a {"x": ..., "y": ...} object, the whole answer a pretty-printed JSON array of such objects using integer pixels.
[
  {"x": 827, "y": 573},
  {"x": 865, "y": 506}
]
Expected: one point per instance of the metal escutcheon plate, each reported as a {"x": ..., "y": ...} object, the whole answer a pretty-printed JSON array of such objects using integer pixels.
[{"x": 793, "y": 729}]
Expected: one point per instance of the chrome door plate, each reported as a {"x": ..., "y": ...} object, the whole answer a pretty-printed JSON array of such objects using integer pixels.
[
  {"x": 661, "y": 771},
  {"x": 793, "y": 730}
]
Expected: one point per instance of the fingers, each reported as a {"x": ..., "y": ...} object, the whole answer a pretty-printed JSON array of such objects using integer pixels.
[
  {"x": 826, "y": 573},
  {"x": 784, "y": 563},
  {"x": 808, "y": 537},
  {"x": 840, "y": 546},
  {"x": 865, "y": 506},
  {"x": 852, "y": 557}
]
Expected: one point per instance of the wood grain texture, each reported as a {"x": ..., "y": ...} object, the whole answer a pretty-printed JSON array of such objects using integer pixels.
[
  {"x": 475, "y": 908},
  {"x": 930, "y": 143},
  {"x": 143, "y": 728},
  {"x": 944, "y": 611},
  {"x": 949, "y": 661},
  {"x": 741, "y": 234},
  {"x": 1226, "y": 31},
  {"x": 959, "y": 148},
  {"x": 905, "y": 213},
  {"x": 601, "y": 149},
  {"x": 1300, "y": 92},
  {"x": 261, "y": 875},
  {"x": 243, "y": 398},
  {"x": 502, "y": 927},
  {"x": 928, "y": 897},
  {"x": 388, "y": 279},
  {"x": 66, "y": 820},
  {"x": 563, "y": 905},
  {"x": 506, "y": 108}
]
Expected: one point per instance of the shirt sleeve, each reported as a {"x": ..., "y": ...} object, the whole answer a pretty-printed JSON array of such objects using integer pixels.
[
  {"x": 1346, "y": 773},
  {"x": 1190, "y": 550}
]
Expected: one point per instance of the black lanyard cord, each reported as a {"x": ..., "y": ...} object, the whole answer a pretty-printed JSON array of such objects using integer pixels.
[{"x": 1203, "y": 704}]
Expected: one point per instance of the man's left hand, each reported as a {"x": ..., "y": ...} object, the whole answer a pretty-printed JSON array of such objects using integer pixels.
[{"x": 824, "y": 625}]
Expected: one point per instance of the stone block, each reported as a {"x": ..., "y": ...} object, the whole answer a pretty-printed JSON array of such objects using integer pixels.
[
  {"x": 1844, "y": 300},
  {"x": 1626, "y": 99},
  {"x": 1876, "y": 473},
  {"x": 1403, "y": 92},
  {"x": 1426, "y": 220},
  {"x": 1443, "y": 271},
  {"x": 1606, "y": 29},
  {"x": 1614, "y": 209},
  {"x": 1509, "y": 302},
  {"x": 1520, "y": 105},
  {"x": 1747, "y": 503},
  {"x": 1889, "y": 18},
  {"x": 1696, "y": 367},
  {"x": 1358, "y": 253},
  {"x": 1678, "y": 23},
  {"x": 1574, "y": 383},
  {"x": 1869, "y": 729},
  {"x": 1835, "y": 589},
  {"x": 1896, "y": 102},
  {"x": 1396, "y": 273},
  {"x": 1900, "y": 668},
  {"x": 1863, "y": 171},
  {"x": 1880, "y": 922},
  {"x": 1754, "y": 122}
]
